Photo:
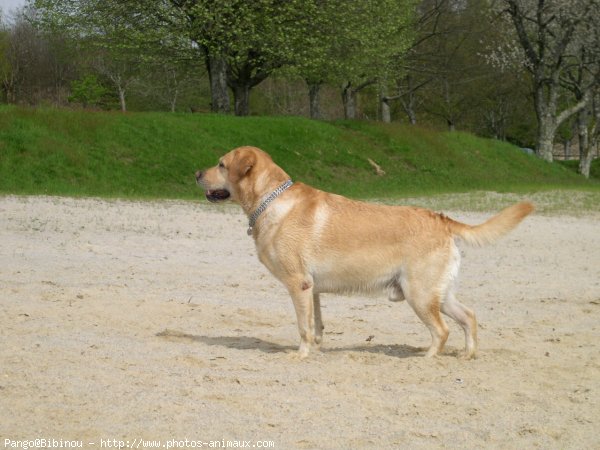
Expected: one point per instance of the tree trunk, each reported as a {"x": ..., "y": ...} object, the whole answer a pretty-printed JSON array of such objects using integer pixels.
[
  {"x": 241, "y": 98},
  {"x": 409, "y": 104},
  {"x": 548, "y": 120},
  {"x": 174, "y": 91},
  {"x": 585, "y": 155},
  {"x": 410, "y": 112},
  {"x": 384, "y": 103},
  {"x": 349, "y": 100},
  {"x": 545, "y": 144},
  {"x": 241, "y": 79},
  {"x": 5, "y": 93},
  {"x": 9, "y": 87},
  {"x": 548, "y": 123},
  {"x": 585, "y": 162},
  {"x": 595, "y": 131},
  {"x": 174, "y": 100},
  {"x": 122, "y": 99},
  {"x": 386, "y": 115},
  {"x": 349, "y": 95},
  {"x": 314, "y": 96},
  {"x": 545, "y": 137},
  {"x": 217, "y": 75},
  {"x": 567, "y": 148}
]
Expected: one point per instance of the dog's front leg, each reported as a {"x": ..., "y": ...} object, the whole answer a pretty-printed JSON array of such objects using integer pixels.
[{"x": 302, "y": 295}]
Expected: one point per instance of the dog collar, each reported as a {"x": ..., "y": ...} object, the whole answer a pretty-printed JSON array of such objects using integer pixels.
[{"x": 261, "y": 208}]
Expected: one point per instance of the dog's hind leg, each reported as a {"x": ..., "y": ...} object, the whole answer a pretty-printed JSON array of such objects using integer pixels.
[
  {"x": 451, "y": 307},
  {"x": 465, "y": 318},
  {"x": 318, "y": 320},
  {"x": 427, "y": 307},
  {"x": 424, "y": 298},
  {"x": 420, "y": 285}
]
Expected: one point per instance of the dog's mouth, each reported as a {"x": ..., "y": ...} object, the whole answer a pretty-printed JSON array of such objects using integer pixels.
[{"x": 217, "y": 195}]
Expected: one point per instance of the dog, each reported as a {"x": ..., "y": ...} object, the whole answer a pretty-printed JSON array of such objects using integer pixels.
[{"x": 316, "y": 242}]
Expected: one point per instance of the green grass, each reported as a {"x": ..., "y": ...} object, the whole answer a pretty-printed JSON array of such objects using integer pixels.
[
  {"x": 154, "y": 155},
  {"x": 573, "y": 165}
]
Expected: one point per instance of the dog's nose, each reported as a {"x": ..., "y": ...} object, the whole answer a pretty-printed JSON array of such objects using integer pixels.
[{"x": 199, "y": 175}]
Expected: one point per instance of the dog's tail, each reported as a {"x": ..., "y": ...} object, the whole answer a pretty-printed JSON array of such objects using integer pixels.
[{"x": 493, "y": 228}]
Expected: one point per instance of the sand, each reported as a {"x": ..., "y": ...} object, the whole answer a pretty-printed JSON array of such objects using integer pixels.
[{"x": 148, "y": 321}]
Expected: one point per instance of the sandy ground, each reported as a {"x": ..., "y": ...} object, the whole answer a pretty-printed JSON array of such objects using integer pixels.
[{"x": 132, "y": 320}]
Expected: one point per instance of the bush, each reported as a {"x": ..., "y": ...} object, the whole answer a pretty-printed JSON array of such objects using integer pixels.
[{"x": 88, "y": 91}]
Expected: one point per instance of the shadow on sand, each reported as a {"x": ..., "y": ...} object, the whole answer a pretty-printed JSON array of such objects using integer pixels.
[{"x": 252, "y": 343}]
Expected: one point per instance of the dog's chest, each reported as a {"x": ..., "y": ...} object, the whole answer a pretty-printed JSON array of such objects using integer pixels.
[
  {"x": 274, "y": 216},
  {"x": 270, "y": 229},
  {"x": 289, "y": 236}
]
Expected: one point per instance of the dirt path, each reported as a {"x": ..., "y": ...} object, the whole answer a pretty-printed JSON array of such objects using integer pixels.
[{"x": 125, "y": 320}]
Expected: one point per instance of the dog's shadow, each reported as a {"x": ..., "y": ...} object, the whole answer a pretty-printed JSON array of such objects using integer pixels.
[{"x": 253, "y": 343}]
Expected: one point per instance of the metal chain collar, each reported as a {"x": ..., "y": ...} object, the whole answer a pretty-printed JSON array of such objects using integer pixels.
[{"x": 261, "y": 208}]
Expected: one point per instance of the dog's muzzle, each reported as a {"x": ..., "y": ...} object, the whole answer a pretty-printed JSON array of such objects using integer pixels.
[{"x": 212, "y": 195}]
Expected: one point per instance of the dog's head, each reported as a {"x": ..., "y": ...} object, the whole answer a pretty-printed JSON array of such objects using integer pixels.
[{"x": 242, "y": 175}]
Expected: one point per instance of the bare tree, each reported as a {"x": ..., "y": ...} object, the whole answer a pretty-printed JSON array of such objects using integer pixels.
[
  {"x": 413, "y": 73},
  {"x": 378, "y": 34},
  {"x": 594, "y": 144},
  {"x": 588, "y": 132},
  {"x": 120, "y": 70},
  {"x": 9, "y": 71},
  {"x": 548, "y": 33},
  {"x": 441, "y": 58},
  {"x": 582, "y": 78},
  {"x": 167, "y": 81},
  {"x": 34, "y": 66}
]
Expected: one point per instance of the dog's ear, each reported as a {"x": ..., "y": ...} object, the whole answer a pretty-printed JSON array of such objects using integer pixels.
[{"x": 243, "y": 164}]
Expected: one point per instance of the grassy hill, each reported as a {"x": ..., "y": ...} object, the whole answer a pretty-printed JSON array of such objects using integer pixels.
[{"x": 154, "y": 155}]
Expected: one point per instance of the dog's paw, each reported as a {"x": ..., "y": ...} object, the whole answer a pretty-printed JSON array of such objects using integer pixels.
[
  {"x": 466, "y": 356},
  {"x": 297, "y": 356},
  {"x": 303, "y": 351},
  {"x": 306, "y": 350}
]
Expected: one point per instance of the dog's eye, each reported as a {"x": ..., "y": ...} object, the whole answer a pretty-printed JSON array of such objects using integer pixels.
[{"x": 221, "y": 165}]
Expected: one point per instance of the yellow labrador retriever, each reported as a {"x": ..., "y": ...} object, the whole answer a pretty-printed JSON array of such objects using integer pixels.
[{"x": 316, "y": 242}]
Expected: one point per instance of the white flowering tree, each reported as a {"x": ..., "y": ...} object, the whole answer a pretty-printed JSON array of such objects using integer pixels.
[{"x": 550, "y": 38}]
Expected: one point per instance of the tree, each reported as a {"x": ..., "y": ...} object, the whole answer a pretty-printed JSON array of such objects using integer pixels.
[
  {"x": 347, "y": 44},
  {"x": 316, "y": 59},
  {"x": 379, "y": 35},
  {"x": 170, "y": 82},
  {"x": 198, "y": 30},
  {"x": 594, "y": 137},
  {"x": 7, "y": 72},
  {"x": 452, "y": 61},
  {"x": 121, "y": 69},
  {"x": 33, "y": 66},
  {"x": 582, "y": 78},
  {"x": 457, "y": 84},
  {"x": 548, "y": 33},
  {"x": 244, "y": 42},
  {"x": 118, "y": 39},
  {"x": 434, "y": 24}
]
